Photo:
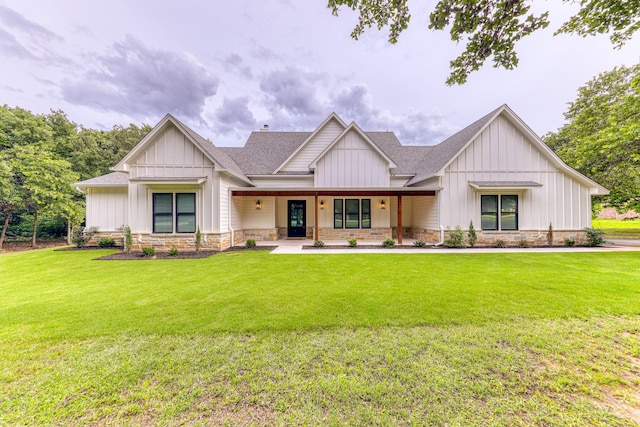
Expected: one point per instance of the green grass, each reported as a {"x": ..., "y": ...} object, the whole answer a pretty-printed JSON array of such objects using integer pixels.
[
  {"x": 253, "y": 338},
  {"x": 618, "y": 229}
]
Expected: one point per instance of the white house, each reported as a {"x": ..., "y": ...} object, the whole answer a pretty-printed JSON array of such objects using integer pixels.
[{"x": 341, "y": 182}]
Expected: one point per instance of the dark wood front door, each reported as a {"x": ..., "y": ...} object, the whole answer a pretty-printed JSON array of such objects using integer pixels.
[{"x": 297, "y": 213}]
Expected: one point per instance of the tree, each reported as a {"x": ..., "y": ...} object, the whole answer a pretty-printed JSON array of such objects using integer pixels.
[
  {"x": 9, "y": 194},
  {"x": 601, "y": 138},
  {"x": 492, "y": 27}
]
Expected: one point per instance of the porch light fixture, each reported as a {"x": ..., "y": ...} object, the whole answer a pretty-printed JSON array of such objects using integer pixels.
[
  {"x": 258, "y": 205},
  {"x": 383, "y": 205},
  {"x": 321, "y": 204}
]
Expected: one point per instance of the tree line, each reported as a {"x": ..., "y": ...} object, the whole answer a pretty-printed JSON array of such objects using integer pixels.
[{"x": 41, "y": 156}]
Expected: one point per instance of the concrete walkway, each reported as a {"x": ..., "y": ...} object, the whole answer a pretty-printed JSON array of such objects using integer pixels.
[{"x": 290, "y": 247}]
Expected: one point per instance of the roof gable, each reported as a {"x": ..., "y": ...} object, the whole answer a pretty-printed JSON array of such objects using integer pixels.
[
  {"x": 315, "y": 143},
  {"x": 367, "y": 140}
]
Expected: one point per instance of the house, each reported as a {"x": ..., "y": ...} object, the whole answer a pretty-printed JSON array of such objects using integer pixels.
[{"x": 341, "y": 182}]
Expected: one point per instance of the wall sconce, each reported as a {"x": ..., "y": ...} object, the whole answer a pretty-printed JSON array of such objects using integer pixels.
[
  {"x": 258, "y": 205},
  {"x": 383, "y": 205},
  {"x": 321, "y": 204}
]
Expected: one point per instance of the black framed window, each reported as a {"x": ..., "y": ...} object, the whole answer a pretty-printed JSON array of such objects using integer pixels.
[
  {"x": 185, "y": 213},
  {"x": 352, "y": 213},
  {"x": 164, "y": 208},
  {"x": 508, "y": 212},
  {"x": 337, "y": 213},
  {"x": 366, "y": 213},
  {"x": 499, "y": 213},
  {"x": 162, "y": 212}
]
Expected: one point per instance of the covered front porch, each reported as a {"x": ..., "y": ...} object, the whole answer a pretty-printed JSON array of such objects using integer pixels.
[{"x": 334, "y": 215}]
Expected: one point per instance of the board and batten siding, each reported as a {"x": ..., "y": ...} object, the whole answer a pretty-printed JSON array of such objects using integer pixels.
[
  {"x": 321, "y": 140},
  {"x": 502, "y": 153},
  {"x": 352, "y": 163},
  {"x": 291, "y": 181},
  {"x": 107, "y": 208},
  {"x": 171, "y": 154}
]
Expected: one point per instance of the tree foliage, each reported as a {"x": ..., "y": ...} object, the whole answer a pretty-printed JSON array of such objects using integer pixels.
[
  {"x": 601, "y": 138},
  {"x": 42, "y": 155},
  {"x": 491, "y": 28}
]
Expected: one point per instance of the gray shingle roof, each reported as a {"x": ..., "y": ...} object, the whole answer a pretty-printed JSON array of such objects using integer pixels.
[{"x": 113, "y": 179}]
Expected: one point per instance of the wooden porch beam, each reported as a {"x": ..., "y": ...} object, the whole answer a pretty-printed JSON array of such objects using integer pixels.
[
  {"x": 338, "y": 193},
  {"x": 315, "y": 225}
]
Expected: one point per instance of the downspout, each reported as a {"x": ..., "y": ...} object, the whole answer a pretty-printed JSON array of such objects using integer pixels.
[
  {"x": 441, "y": 236},
  {"x": 440, "y": 221},
  {"x": 233, "y": 237}
]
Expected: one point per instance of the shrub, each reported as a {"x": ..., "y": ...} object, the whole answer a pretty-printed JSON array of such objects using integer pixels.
[
  {"x": 523, "y": 243},
  {"x": 419, "y": 243},
  {"x": 173, "y": 251},
  {"x": 353, "y": 243},
  {"x": 128, "y": 239},
  {"x": 106, "y": 242},
  {"x": 472, "y": 237},
  {"x": 198, "y": 240},
  {"x": 250, "y": 243},
  {"x": 318, "y": 244},
  {"x": 389, "y": 243},
  {"x": 550, "y": 235},
  {"x": 569, "y": 242},
  {"x": 500, "y": 243},
  {"x": 595, "y": 237},
  {"x": 455, "y": 239},
  {"x": 148, "y": 251},
  {"x": 81, "y": 236}
]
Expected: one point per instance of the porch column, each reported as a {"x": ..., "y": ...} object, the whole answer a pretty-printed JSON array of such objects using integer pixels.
[
  {"x": 315, "y": 225},
  {"x": 399, "y": 219}
]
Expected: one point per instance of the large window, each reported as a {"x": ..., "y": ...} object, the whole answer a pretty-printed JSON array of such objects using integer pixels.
[
  {"x": 499, "y": 212},
  {"x": 164, "y": 220},
  {"x": 352, "y": 213}
]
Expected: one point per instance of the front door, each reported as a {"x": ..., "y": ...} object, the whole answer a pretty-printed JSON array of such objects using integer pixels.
[{"x": 297, "y": 218}]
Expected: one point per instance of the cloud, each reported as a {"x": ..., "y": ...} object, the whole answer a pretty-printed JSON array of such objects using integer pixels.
[
  {"x": 234, "y": 62},
  {"x": 292, "y": 91},
  {"x": 411, "y": 128},
  {"x": 141, "y": 81},
  {"x": 234, "y": 117},
  {"x": 25, "y": 39}
]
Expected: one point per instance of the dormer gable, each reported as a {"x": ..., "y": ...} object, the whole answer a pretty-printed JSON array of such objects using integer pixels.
[{"x": 317, "y": 142}]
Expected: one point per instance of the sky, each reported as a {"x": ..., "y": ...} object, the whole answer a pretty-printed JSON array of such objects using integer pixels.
[{"x": 227, "y": 68}]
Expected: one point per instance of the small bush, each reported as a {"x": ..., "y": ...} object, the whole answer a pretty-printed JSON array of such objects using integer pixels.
[
  {"x": 500, "y": 243},
  {"x": 128, "y": 239},
  {"x": 106, "y": 242},
  {"x": 456, "y": 239},
  {"x": 318, "y": 244},
  {"x": 569, "y": 242},
  {"x": 250, "y": 243},
  {"x": 353, "y": 243},
  {"x": 389, "y": 243},
  {"x": 173, "y": 251},
  {"x": 81, "y": 236},
  {"x": 472, "y": 236},
  {"x": 198, "y": 240},
  {"x": 595, "y": 237},
  {"x": 523, "y": 243},
  {"x": 550, "y": 235},
  {"x": 419, "y": 243},
  {"x": 148, "y": 251}
]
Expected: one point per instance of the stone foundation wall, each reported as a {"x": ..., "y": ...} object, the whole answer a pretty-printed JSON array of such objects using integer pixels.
[
  {"x": 238, "y": 237},
  {"x": 355, "y": 233},
  {"x": 527, "y": 237},
  {"x": 164, "y": 242},
  {"x": 424, "y": 234},
  {"x": 261, "y": 234}
]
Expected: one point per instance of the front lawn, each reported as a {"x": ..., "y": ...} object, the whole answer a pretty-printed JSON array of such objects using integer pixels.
[
  {"x": 618, "y": 229},
  {"x": 252, "y": 338}
]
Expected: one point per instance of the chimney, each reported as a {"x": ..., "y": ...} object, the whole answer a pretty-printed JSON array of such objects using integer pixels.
[{"x": 265, "y": 128}]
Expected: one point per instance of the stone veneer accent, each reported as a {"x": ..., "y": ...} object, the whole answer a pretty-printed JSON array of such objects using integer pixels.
[
  {"x": 531, "y": 237},
  {"x": 261, "y": 234},
  {"x": 164, "y": 242},
  {"x": 354, "y": 233}
]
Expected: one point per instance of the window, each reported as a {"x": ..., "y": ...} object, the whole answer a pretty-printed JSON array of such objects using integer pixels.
[
  {"x": 163, "y": 213},
  {"x": 499, "y": 212},
  {"x": 352, "y": 213},
  {"x": 337, "y": 213},
  {"x": 366, "y": 213},
  {"x": 185, "y": 213}
]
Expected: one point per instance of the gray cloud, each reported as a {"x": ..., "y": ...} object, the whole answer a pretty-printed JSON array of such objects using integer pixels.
[
  {"x": 413, "y": 128},
  {"x": 292, "y": 92},
  {"x": 17, "y": 22},
  {"x": 235, "y": 63},
  {"x": 25, "y": 39},
  {"x": 234, "y": 117},
  {"x": 141, "y": 81}
]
